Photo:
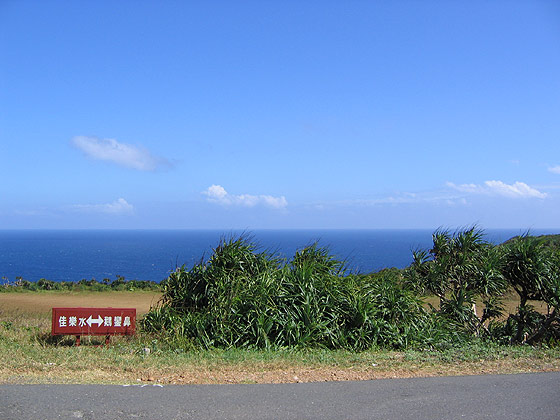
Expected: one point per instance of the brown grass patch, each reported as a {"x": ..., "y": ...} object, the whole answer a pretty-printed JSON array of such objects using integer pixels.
[
  {"x": 42, "y": 302},
  {"x": 510, "y": 303}
]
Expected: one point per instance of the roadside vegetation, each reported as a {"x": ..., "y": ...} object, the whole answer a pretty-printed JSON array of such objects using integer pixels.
[
  {"x": 244, "y": 315},
  {"x": 30, "y": 354},
  {"x": 245, "y": 298},
  {"x": 20, "y": 284}
]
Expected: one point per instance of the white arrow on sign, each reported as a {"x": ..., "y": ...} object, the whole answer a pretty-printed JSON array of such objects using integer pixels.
[{"x": 97, "y": 321}]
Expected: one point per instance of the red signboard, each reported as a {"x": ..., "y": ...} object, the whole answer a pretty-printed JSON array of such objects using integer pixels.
[{"x": 93, "y": 321}]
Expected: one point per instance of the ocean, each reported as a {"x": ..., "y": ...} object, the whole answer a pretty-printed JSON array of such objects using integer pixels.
[{"x": 72, "y": 255}]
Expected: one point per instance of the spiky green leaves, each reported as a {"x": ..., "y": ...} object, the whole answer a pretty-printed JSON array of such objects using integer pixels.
[
  {"x": 244, "y": 298},
  {"x": 460, "y": 268}
]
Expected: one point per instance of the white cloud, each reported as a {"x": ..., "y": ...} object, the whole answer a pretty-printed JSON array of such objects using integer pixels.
[
  {"x": 122, "y": 154},
  {"x": 217, "y": 194},
  {"x": 555, "y": 169},
  {"x": 117, "y": 207},
  {"x": 499, "y": 188}
]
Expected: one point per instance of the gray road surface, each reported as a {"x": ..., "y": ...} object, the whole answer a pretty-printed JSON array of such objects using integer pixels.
[{"x": 496, "y": 397}]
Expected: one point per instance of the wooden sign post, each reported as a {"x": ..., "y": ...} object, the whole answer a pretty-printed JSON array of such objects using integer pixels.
[{"x": 93, "y": 321}]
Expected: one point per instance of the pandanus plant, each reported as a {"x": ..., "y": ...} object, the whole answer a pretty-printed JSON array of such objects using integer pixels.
[
  {"x": 460, "y": 268},
  {"x": 533, "y": 271},
  {"x": 241, "y": 297}
]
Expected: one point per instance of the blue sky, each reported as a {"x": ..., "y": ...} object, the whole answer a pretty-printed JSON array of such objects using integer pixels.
[{"x": 280, "y": 114}]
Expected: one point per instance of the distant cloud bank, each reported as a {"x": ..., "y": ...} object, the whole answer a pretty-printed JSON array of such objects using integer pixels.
[
  {"x": 217, "y": 194},
  {"x": 122, "y": 154},
  {"x": 555, "y": 169},
  {"x": 499, "y": 188},
  {"x": 117, "y": 207}
]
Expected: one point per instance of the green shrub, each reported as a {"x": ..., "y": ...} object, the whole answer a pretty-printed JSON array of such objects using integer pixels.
[
  {"x": 92, "y": 285},
  {"x": 460, "y": 268},
  {"x": 244, "y": 298},
  {"x": 532, "y": 269},
  {"x": 44, "y": 284}
]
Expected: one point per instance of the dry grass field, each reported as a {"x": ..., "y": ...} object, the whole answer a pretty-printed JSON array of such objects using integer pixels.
[
  {"x": 29, "y": 354},
  {"x": 510, "y": 303},
  {"x": 42, "y": 302}
]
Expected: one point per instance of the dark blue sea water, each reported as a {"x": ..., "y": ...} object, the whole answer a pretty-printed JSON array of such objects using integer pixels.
[{"x": 72, "y": 255}]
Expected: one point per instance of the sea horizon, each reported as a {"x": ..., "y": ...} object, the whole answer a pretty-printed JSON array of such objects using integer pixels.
[{"x": 151, "y": 254}]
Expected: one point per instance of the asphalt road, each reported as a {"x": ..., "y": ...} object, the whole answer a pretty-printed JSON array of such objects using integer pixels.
[{"x": 496, "y": 397}]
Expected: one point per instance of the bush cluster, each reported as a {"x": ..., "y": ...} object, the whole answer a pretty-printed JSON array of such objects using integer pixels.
[
  {"x": 242, "y": 297},
  {"x": 462, "y": 269},
  {"x": 93, "y": 285}
]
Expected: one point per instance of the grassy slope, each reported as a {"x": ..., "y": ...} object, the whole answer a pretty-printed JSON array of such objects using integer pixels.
[{"x": 29, "y": 355}]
